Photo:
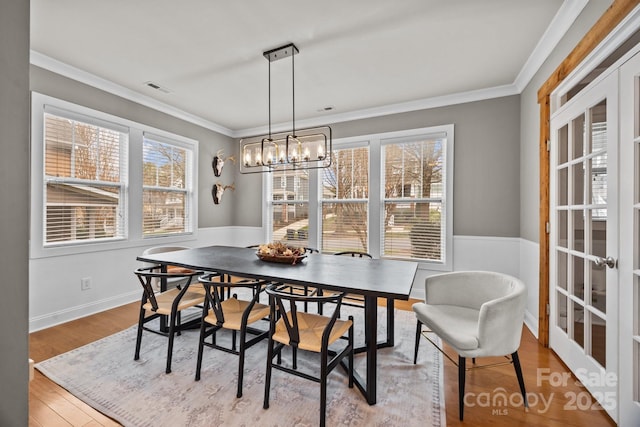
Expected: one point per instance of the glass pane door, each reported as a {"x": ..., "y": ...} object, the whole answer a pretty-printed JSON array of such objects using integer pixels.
[
  {"x": 629, "y": 306},
  {"x": 583, "y": 246}
]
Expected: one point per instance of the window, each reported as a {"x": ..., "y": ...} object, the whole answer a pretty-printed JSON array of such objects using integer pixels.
[
  {"x": 166, "y": 188},
  {"x": 101, "y": 182},
  {"x": 413, "y": 225},
  {"x": 387, "y": 194},
  {"x": 345, "y": 204},
  {"x": 289, "y": 206},
  {"x": 85, "y": 176}
]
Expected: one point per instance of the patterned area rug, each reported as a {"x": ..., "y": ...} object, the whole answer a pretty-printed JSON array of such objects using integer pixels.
[{"x": 138, "y": 393}]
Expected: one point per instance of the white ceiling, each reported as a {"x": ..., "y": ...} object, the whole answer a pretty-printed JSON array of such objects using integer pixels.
[{"x": 361, "y": 57}]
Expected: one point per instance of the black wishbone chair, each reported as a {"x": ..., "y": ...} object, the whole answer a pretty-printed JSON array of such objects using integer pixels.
[
  {"x": 233, "y": 314},
  {"x": 169, "y": 303},
  {"x": 304, "y": 289},
  {"x": 354, "y": 300},
  {"x": 310, "y": 332}
]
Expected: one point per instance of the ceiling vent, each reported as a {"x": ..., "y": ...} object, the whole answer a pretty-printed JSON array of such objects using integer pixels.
[{"x": 156, "y": 86}]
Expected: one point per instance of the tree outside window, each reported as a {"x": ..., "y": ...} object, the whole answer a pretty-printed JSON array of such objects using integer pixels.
[{"x": 413, "y": 204}]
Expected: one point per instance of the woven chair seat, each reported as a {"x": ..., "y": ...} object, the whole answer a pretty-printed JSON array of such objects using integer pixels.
[
  {"x": 233, "y": 309},
  {"x": 190, "y": 299}
]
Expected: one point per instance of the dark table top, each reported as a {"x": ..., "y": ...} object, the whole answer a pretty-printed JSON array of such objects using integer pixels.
[{"x": 374, "y": 277}]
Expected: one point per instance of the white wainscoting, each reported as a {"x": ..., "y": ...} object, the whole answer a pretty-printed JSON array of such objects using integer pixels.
[{"x": 55, "y": 295}]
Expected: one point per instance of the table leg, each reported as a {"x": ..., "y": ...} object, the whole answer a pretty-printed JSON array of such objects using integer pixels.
[
  {"x": 390, "y": 323},
  {"x": 390, "y": 340},
  {"x": 371, "y": 337},
  {"x": 164, "y": 320}
]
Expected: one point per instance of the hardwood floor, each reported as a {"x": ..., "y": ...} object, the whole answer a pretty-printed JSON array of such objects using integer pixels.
[{"x": 52, "y": 406}]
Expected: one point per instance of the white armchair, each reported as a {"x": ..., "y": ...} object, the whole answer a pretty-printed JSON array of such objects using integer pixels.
[{"x": 478, "y": 314}]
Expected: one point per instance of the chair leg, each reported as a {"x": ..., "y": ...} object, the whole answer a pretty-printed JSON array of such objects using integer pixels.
[
  {"x": 461, "y": 374},
  {"x": 517, "y": 367},
  {"x": 306, "y": 304},
  {"x": 203, "y": 328},
  {"x": 139, "y": 336},
  {"x": 350, "y": 358},
  {"x": 294, "y": 351},
  {"x": 179, "y": 322},
  {"x": 323, "y": 388},
  {"x": 241, "y": 361},
  {"x": 267, "y": 376},
  {"x": 417, "y": 344},
  {"x": 172, "y": 327}
]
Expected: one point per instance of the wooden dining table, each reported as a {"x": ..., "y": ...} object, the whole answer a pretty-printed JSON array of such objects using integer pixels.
[{"x": 371, "y": 278}]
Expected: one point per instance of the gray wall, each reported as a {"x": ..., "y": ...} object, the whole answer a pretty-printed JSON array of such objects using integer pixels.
[
  {"x": 209, "y": 215},
  {"x": 530, "y": 120},
  {"x": 14, "y": 208},
  {"x": 486, "y": 158}
]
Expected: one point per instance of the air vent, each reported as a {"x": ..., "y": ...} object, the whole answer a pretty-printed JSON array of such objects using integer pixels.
[
  {"x": 325, "y": 109},
  {"x": 156, "y": 86}
]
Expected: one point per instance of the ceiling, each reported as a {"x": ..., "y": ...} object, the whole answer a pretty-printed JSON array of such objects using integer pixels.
[{"x": 360, "y": 58}]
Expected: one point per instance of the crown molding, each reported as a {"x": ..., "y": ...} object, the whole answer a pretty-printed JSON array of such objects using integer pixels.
[
  {"x": 560, "y": 24},
  {"x": 562, "y": 21},
  {"x": 386, "y": 110},
  {"x": 40, "y": 60}
]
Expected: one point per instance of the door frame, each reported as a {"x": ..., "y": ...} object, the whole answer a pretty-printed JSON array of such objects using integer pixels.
[{"x": 594, "y": 47}]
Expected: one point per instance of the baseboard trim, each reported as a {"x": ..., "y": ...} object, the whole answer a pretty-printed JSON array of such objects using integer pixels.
[
  {"x": 62, "y": 316},
  {"x": 531, "y": 323}
]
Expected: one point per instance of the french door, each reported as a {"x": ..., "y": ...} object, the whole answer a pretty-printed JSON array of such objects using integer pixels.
[
  {"x": 584, "y": 239},
  {"x": 630, "y": 243}
]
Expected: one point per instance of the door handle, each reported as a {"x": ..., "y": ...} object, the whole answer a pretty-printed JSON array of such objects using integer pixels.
[{"x": 608, "y": 261}]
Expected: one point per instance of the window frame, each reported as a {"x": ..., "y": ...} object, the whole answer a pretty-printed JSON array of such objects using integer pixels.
[
  {"x": 376, "y": 192},
  {"x": 344, "y": 145},
  {"x": 133, "y": 235},
  {"x": 72, "y": 180},
  {"x": 186, "y": 190},
  {"x": 269, "y": 203},
  {"x": 444, "y": 200}
]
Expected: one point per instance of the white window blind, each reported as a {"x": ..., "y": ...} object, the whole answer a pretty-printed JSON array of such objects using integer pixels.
[
  {"x": 414, "y": 204},
  {"x": 85, "y": 176},
  {"x": 345, "y": 204},
  {"x": 387, "y": 194},
  {"x": 167, "y": 188},
  {"x": 290, "y": 206}
]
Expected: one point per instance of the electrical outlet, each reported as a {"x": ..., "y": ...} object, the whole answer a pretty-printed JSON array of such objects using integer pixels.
[{"x": 85, "y": 283}]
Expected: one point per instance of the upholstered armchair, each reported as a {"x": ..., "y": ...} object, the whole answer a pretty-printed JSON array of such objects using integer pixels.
[{"x": 478, "y": 314}]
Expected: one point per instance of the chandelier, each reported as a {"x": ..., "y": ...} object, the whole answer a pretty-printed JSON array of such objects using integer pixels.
[{"x": 307, "y": 148}]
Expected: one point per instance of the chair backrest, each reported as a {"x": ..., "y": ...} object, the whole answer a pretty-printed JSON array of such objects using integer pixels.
[
  {"x": 148, "y": 275},
  {"x": 283, "y": 299},
  {"x": 161, "y": 249},
  {"x": 172, "y": 282},
  {"x": 468, "y": 289},
  {"x": 355, "y": 254},
  {"x": 215, "y": 288}
]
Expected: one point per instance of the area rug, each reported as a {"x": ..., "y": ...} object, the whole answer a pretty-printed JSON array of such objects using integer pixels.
[{"x": 104, "y": 375}]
